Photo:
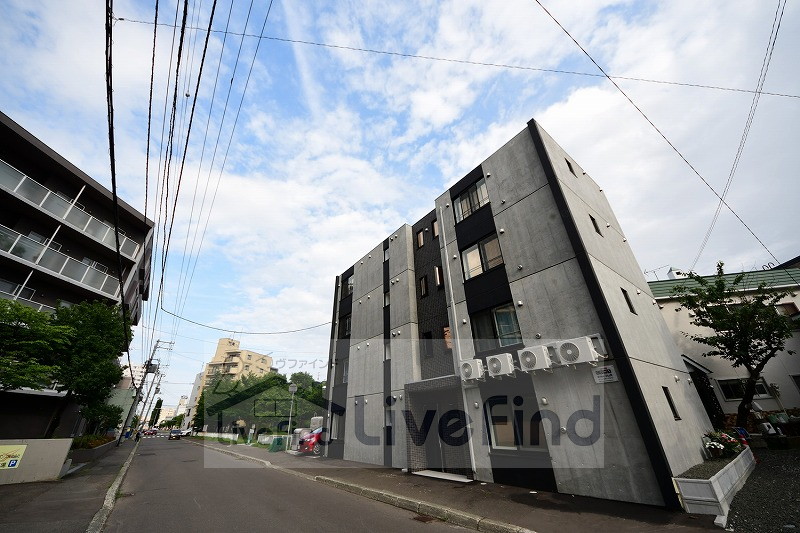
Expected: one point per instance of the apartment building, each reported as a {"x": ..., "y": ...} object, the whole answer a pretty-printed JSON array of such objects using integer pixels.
[
  {"x": 509, "y": 336},
  {"x": 229, "y": 359},
  {"x": 57, "y": 239},
  {"x": 58, "y": 247},
  {"x": 718, "y": 383}
]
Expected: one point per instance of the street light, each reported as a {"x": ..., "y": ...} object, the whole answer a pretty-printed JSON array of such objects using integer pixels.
[{"x": 292, "y": 389}]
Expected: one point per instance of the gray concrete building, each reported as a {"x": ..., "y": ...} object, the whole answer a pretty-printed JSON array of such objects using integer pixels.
[{"x": 509, "y": 336}]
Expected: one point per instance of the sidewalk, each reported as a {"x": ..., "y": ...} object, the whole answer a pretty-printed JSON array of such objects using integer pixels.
[
  {"x": 475, "y": 504},
  {"x": 63, "y": 506}
]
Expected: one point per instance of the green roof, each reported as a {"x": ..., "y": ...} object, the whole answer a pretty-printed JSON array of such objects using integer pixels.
[{"x": 772, "y": 278}]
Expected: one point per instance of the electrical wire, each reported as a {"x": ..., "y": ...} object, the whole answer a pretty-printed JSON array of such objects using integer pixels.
[
  {"x": 232, "y": 330},
  {"x": 113, "y": 170},
  {"x": 663, "y": 136},
  {"x": 773, "y": 36},
  {"x": 478, "y": 63}
]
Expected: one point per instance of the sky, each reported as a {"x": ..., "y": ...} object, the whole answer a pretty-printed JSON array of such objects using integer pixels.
[{"x": 305, "y": 153}]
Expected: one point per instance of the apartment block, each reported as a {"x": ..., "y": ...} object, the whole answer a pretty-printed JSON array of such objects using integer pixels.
[
  {"x": 509, "y": 336},
  {"x": 57, "y": 238},
  {"x": 229, "y": 359}
]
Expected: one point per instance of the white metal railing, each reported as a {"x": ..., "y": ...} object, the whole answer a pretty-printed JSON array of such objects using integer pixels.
[
  {"x": 30, "y": 303},
  {"x": 28, "y": 249},
  {"x": 64, "y": 209}
]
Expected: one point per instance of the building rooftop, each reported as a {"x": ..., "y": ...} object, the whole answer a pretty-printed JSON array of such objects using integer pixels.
[{"x": 774, "y": 278}]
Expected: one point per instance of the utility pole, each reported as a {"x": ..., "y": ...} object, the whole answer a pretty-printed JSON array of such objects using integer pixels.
[{"x": 138, "y": 390}]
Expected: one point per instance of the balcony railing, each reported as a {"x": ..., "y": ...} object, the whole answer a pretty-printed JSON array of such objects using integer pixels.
[
  {"x": 22, "y": 185},
  {"x": 26, "y": 248},
  {"x": 30, "y": 303}
]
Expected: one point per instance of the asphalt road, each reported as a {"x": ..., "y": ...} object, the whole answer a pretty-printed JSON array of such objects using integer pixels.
[{"x": 178, "y": 486}]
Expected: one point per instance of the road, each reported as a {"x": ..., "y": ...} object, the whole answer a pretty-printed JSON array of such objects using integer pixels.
[{"x": 179, "y": 486}]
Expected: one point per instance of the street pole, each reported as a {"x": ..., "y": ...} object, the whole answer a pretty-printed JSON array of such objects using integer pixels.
[
  {"x": 292, "y": 389},
  {"x": 155, "y": 393},
  {"x": 146, "y": 398},
  {"x": 137, "y": 393}
]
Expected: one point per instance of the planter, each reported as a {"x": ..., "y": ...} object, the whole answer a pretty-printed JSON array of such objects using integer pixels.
[
  {"x": 91, "y": 454},
  {"x": 714, "y": 495}
]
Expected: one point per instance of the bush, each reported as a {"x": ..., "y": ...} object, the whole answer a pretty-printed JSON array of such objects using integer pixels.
[
  {"x": 726, "y": 444},
  {"x": 87, "y": 442}
]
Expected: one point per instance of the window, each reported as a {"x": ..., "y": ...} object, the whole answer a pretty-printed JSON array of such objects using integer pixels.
[
  {"x": 249, "y": 357},
  {"x": 628, "y": 300},
  {"x": 387, "y": 351},
  {"x": 344, "y": 326},
  {"x": 347, "y": 286},
  {"x": 596, "y": 227},
  {"x": 247, "y": 367},
  {"x": 437, "y": 276},
  {"x": 385, "y": 254},
  {"x": 733, "y": 389},
  {"x": 569, "y": 165},
  {"x": 345, "y": 369},
  {"x": 423, "y": 286},
  {"x": 435, "y": 228},
  {"x": 513, "y": 426},
  {"x": 386, "y": 299},
  {"x": 426, "y": 344},
  {"x": 671, "y": 403},
  {"x": 471, "y": 200},
  {"x": 420, "y": 239},
  {"x": 495, "y": 328},
  {"x": 480, "y": 257}
]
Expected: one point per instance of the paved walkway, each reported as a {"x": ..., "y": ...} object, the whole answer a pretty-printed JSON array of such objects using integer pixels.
[
  {"x": 537, "y": 511},
  {"x": 65, "y": 506}
]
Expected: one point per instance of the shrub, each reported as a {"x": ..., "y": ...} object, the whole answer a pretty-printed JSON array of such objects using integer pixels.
[
  {"x": 87, "y": 442},
  {"x": 727, "y": 443}
]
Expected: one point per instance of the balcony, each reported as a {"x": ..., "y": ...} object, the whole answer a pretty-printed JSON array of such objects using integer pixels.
[
  {"x": 63, "y": 209},
  {"x": 36, "y": 253},
  {"x": 29, "y": 303}
]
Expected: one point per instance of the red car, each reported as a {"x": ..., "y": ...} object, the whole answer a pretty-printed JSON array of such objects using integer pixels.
[
  {"x": 313, "y": 442},
  {"x": 150, "y": 432}
]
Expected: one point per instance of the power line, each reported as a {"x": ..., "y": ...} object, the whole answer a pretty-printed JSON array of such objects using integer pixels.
[
  {"x": 674, "y": 148},
  {"x": 232, "y": 330},
  {"x": 773, "y": 37},
  {"x": 476, "y": 63},
  {"x": 113, "y": 168}
]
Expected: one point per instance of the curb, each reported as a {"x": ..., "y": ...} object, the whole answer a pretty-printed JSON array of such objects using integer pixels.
[
  {"x": 446, "y": 514},
  {"x": 100, "y": 517}
]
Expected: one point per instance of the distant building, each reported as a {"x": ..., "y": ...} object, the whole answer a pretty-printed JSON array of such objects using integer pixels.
[
  {"x": 167, "y": 412},
  {"x": 509, "y": 336},
  {"x": 194, "y": 397},
  {"x": 181, "y": 409},
  {"x": 58, "y": 247},
  {"x": 231, "y": 360},
  {"x": 719, "y": 383}
]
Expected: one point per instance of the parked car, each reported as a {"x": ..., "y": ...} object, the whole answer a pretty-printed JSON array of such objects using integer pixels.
[
  {"x": 313, "y": 442},
  {"x": 175, "y": 434},
  {"x": 150, "y": 432},
  {"x": 186, "y": 432}
]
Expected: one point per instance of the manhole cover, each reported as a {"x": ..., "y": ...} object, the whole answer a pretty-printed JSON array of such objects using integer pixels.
[{"x": 423, "y": 518}]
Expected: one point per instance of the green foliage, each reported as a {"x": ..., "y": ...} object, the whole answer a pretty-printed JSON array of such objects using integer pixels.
[
  {"x": 261, "y": 400},
  {"x": 87, "y": 442},
  {"x": 156, "y": 412},
  {"x": 199, "y": 418},
  {"x": 102, "y": 417},
  {"x": 738, "y": 324},
  {"x": 28, "y": 341},
  {"x": 88, "y": 366},
  {"x": 726, "y": 444}
]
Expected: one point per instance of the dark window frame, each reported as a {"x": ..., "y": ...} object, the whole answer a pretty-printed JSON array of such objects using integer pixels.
[
  {"x": 596, "y": 226},
  {"x": 486, "y": 264},
  {"x": 628, "y": 301},
  {"x": 423, "y": 286},
  {"x": 481, "y": 319},
  {"x": 420, "y": 239},
  {"x": 434, "y": 228},
  {"x": 475, "y": 197},
  {"x": 671, "y": 403}
]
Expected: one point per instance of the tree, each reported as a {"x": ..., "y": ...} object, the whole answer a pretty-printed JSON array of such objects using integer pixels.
[
  {"x": 27, "y": 342},
  {"x": 199, "y": 418},
  {"x": 303, "y": 380},
  {"x": 88, "y": 366},
  {"x": 745, "y": 327},
  {"x": 156, "y": 413},
  {"x": 102, "y": 417}
]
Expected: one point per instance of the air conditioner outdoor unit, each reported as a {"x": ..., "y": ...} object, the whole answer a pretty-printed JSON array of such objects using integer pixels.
[
  {"x": 472, "y": 370},
  {"x": 574, "y": 351},
  {"x": 500, "y": 365},
  {"x": 533, "y": 358}
]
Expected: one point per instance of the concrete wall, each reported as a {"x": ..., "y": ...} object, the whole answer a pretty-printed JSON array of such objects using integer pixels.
[
  {"x": 41, "y": 461},
  {"x": 655, "y": 358}
]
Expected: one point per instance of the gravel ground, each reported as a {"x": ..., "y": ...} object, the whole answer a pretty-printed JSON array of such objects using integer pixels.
[
  {"x": 706, "y": 469},
  {"x": 770, "y": 500}
]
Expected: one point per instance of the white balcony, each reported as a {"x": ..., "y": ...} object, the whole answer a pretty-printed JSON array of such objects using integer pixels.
[
  {"x": 29, "y": 303},
  {"x": 36, "y": 253},
  {"x": 63, "y": 209}
]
